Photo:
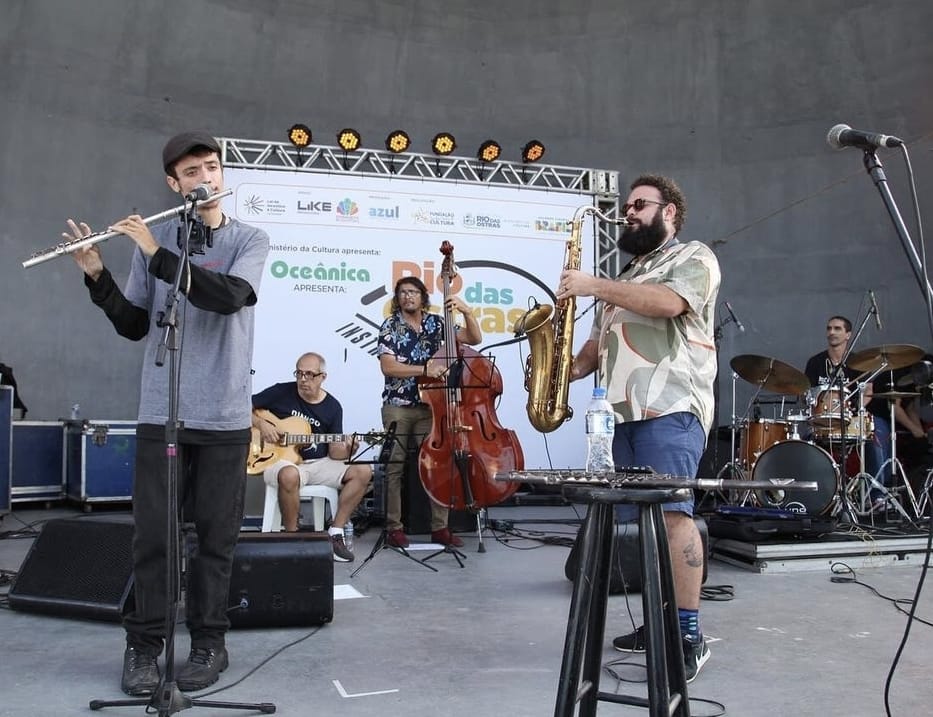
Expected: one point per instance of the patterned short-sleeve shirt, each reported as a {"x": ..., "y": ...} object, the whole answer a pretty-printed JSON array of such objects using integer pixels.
[
  {"x": 397, "y": 338},
  {"x": 657, "y": 366}
]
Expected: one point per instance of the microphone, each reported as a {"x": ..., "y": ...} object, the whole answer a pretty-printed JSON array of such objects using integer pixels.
[
  {"x": 874, "y": 308},
  {"x": 842, "y": 135},
  {"x": 735, "y": 318},
  {"x": 199, "y": 193}
]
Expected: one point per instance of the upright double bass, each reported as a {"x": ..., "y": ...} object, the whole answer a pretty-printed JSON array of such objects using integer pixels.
[{"x": 467, "y": 445}]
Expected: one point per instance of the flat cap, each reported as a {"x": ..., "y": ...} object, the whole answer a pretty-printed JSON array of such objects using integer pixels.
[{"x": 182, "y": 144}]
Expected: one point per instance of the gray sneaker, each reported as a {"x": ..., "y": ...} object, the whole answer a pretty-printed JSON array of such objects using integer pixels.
[
  {"x": 695, "y": 656},
  {"x": 342, "y": 553}
]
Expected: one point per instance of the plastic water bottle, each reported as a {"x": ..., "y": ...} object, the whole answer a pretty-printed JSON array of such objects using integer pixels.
[
  {"x": 600, "y": 428},
  {"x": 76, "y": 412},
  {"x": 348, "y": 534}
]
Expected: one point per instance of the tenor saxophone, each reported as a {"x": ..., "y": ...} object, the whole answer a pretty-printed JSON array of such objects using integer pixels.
[{"x": 550, "y": 338}]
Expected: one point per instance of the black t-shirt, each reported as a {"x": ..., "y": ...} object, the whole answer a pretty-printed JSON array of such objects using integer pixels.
[{"x": 282, "y": 399}]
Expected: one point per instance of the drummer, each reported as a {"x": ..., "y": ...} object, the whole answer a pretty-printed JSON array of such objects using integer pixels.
[{"x": 822, "y": 369}]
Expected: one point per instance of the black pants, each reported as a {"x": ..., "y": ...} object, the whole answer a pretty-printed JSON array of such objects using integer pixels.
[{"x": 212, "y": 485}]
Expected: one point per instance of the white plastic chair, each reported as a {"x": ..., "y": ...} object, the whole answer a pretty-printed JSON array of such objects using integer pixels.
[{"x": 319, "y": 495}]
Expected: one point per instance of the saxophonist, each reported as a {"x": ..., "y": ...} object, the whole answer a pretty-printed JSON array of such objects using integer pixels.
[{"x": 652, "y": 347}]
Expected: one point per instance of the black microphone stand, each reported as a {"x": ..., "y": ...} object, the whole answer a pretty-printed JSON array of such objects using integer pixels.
[
  {"x": 382, "y": 542},
  {"x": 167, "y": 699},
  {"x": 876, "y": 171}
]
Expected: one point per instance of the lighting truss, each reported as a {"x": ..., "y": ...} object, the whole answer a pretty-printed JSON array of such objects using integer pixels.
[{"x": 600, "y": 184}]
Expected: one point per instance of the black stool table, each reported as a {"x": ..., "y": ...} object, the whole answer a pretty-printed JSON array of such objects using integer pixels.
[{"x": 583, "y": 645}]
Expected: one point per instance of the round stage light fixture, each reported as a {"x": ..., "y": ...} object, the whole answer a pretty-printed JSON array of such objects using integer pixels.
[
  {"x": 443, "y": 143},
  {"x": 398, "y": 141},
  {"x": 532, "y": 151},
  {"x": 348, "y": 139},
  {"x": 299, "y": 135},
  {"x": 489, "y": 151}
]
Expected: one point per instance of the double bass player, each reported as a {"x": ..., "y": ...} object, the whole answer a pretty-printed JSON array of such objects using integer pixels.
[{"x": 408, "y": 339}]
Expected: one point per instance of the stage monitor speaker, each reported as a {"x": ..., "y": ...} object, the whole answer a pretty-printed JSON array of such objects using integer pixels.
[
  {"x": 78, "y": 568},
  {"x": 281, "y": 580},
  {"x": 625, "y": 575}
]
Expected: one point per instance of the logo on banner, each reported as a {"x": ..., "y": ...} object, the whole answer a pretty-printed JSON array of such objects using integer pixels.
[
  {"x": 481, "y": 221},
  {"x": 348, "y": 210},
  {"x": 253, "y": 204},
  {"x": 491, "y": 296},
  {"x": 310, "y": 206},
  {"x": 433, "y": 218},
  {"x": 549, "y": 224},
  {"x": 384, "y": 212}
]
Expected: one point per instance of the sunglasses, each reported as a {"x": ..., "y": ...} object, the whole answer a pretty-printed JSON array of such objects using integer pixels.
[
  {"x": 639, "y": 204},
  {"x": 306, "y": 374}
]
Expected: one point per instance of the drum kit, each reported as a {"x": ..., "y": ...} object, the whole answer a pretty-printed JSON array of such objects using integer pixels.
[{"x": 818, "y": 433}]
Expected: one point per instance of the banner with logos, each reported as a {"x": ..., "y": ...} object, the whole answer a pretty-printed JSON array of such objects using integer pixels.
[{"x": 340, "y": 242}]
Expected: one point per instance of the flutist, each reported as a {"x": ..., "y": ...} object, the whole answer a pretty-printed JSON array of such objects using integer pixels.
[
  {"x": 652, "y": 348},
  {"x": 216, "y": 331}
]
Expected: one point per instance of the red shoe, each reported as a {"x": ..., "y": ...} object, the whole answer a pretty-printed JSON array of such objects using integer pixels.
[
  {"x": 397, "y": 538},
  {"x": 445, "y": 537}
]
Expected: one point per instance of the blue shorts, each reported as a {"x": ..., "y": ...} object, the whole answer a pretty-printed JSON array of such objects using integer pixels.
[{"x": 669, "y": 444}]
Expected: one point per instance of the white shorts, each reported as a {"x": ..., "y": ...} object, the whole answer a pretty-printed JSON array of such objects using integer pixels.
[{"x": 320, "y": 471}]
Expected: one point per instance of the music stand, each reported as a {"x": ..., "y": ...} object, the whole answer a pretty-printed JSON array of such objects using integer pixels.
[
  {"x": 383, "y": 459},
  {"x": 167, "y": 698}
]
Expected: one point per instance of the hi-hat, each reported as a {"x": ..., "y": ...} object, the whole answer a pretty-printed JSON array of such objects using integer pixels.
[
  {"x": 891, "y": 395},
  {"x": 887, "y": 356},
  {"x": 770, "y": 373}
]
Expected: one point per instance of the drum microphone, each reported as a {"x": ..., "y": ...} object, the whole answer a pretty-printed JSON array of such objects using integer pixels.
[
  {"x": 874, "y": 308},
  {"x": 735, "y": 318}
]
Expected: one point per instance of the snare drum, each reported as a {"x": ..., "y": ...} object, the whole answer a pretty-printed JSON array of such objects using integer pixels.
[
  {"x": 756, "y": 436},
  {"x": 856, "y": 427}
]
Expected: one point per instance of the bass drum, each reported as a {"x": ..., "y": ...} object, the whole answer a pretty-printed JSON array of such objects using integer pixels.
[{"x": 802, "y": 461}]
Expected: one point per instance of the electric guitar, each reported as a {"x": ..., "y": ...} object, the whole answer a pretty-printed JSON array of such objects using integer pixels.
[{"x": 295, "y": 433}]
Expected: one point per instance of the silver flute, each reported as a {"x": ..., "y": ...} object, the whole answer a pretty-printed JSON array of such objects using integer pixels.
[{"x": 67, "y": 247}]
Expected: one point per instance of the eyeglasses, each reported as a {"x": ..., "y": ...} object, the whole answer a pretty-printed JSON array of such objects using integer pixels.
[
  {"x": 639, "y": 204},
  {"x": 409, "y": 292},
  {"x": 309, "y": 375}
]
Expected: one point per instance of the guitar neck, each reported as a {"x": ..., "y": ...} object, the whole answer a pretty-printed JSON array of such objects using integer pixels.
[{"x": 305, "y": 439}]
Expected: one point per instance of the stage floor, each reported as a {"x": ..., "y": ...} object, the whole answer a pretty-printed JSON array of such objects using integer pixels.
[{"x": 487, "y": 639}]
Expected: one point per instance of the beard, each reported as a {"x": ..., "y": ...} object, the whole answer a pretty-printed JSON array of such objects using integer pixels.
[{"x": 643, "y": 238}]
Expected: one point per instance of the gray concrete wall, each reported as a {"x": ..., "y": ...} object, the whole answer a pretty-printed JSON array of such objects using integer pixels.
[{"x": 734, "y": 99}]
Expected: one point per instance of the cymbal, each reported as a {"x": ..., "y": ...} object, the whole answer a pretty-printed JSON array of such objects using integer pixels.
[
  {"x": 770, "y": 373},
  {"x": 891, "y": 395},
  {"x": 889, "y": 356}
]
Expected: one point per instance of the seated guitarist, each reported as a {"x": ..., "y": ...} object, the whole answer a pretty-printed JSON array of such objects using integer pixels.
[{"x": 312, "y": 463}]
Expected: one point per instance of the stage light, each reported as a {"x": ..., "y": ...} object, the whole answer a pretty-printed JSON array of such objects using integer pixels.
[
  {"x": 299, "y": 135},
  {"x": 348, "y": 139},
  {"x": 489, "y": 151},
  {"x": 532, "y": 151},
  {"x": 398, "y": 141},
  {"x": 443, "y": 143}
]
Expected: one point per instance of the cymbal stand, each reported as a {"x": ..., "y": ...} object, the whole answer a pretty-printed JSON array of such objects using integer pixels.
[
  {"x": 856, "y": 494},
  {"x": 897, "y": 468},
  {"x": 733, "y": 469}
]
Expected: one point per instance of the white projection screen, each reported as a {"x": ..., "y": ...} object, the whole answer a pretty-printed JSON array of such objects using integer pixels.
[{"x": 340, "y": 242}]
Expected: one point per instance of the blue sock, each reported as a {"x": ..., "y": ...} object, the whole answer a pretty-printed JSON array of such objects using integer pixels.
[{"x": 689, "y": 624}]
